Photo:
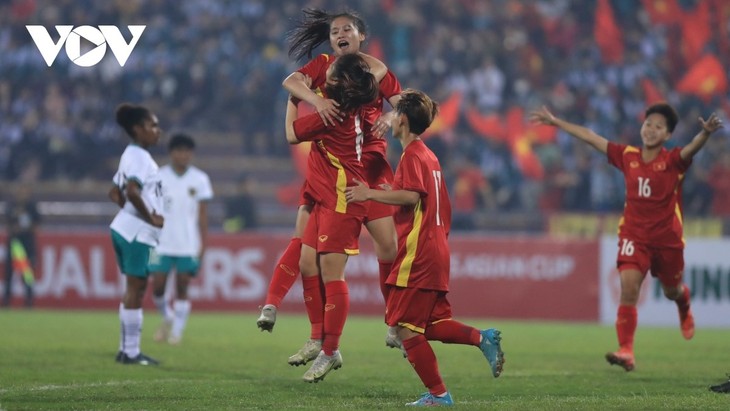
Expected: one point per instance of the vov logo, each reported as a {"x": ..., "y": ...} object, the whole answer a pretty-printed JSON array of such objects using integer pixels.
[{"x": 71, "y": 38}]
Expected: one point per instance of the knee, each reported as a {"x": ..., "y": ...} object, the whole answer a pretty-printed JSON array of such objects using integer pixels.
[
  {"x": 672, "y": 293},
  {"x": 308, "y": 267}
]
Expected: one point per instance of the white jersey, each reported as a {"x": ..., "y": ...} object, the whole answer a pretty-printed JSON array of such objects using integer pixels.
[
  {"x": 138, "y": 165},
  {"x": 182, "y": 195}
]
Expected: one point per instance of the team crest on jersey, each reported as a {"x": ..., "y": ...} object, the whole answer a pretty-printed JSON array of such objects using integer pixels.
[
  {"x": 323, "y": 238},
  {"x": 634, "y": 164},
  {"x": 659, "y": 166},
  {"x": 192, "y": 191}
]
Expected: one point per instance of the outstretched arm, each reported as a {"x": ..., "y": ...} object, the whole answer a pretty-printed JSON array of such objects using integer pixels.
[
  {"x": 587, "y": 135},
  {"x": 708, "y": 127},
  {"x": 361, "y": 192}
]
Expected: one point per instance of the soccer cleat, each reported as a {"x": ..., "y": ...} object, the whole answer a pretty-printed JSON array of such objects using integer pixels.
[
  {"x": 430, "y": 400},
  {"x": 163, "y": 331},
  {"x": 140, "y": 359},
  {"x": 267, "y": 319},
  {"x": 392, "y": 340},
  {"x": 687, "y": 324},
  {"x": 307, "y": 353},
  {"x": 621, "y": 358},
  {"x": 723, "y": 388},
  {"x": 322, "y": 365},
  {"x": 118, "y": 358},
  {"x": 492, "y": 349}
]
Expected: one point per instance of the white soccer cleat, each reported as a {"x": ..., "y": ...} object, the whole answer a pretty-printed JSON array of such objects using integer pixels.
[
  {"x": 393, "y": 341},
  {"x": 307, "y": 353},
  {"x": 322, "y": 365},
  {"x": 162, "y": 333},
  {"x": 267, "y": 319}
]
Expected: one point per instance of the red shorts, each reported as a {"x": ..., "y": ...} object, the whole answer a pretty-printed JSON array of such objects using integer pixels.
[
  {"x": 666, "y": 264},
  {"x": 377, "y": 172},
  {"x": 328, "y": 231},
  {"x": 416, "y": 308},
  {"x": 304, "y": 198}
]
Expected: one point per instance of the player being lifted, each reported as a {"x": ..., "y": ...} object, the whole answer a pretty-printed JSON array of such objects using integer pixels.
[{"x": 650, "y": 231}]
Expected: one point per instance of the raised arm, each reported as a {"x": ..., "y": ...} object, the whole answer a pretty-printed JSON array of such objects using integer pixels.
[
  {"x": 708, "y": 127},
  {"x": 587, "y": 135}
]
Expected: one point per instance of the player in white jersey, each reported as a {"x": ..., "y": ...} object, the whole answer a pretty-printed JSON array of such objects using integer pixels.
[
  {"x": 135, "y": 229},
  {"x": 186, "y": 191}
]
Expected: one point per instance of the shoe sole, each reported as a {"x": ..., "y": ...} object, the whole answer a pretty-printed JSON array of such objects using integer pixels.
[
  {"x": 496, "y": 342},
  {"x": 622, "y": 362},
  {"x": 303, "y": 361},
  {"x": 265, "y": 325}
]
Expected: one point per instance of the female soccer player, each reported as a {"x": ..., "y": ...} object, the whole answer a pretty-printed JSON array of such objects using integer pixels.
[
  {"x": 419, "y": 281},
  {"x": 186, "y": 192},
  {"x": 650, "y": 231},
  {"x": 332, "y": 232},
  {"x": 136, "y": 227},
  {"x": 345, "y": 32}
]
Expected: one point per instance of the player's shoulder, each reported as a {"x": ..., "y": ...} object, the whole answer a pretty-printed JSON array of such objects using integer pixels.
[{"x": 198, "y": 173}]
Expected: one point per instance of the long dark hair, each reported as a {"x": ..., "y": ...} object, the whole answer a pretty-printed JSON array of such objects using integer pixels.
[
  {"x": 314, "y": 29},
  {"x": 352, "y": 83}
]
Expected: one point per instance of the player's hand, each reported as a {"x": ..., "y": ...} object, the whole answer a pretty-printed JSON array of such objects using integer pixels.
[
  {"x": 157, "y": 220},
  {"x": 383, "y": 124},
  {"x": 357, "y": 193},
  {"x": 543, "y": 116},
  {"x": 327, "y": 110},
  {"x": 712, "y": 124},
  {"x": 385, "y": 187}
]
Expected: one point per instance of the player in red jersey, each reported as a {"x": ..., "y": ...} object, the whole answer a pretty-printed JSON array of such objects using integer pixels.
[
  {"x": 345, "y": 32},
  {"x": 419, "y": 280},
  {"x": 333, "y": 230},
  {"x": 650, "y": 231}
]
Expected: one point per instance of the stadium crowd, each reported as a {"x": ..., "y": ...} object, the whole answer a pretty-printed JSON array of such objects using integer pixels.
[{"x": 217, "y": 66}]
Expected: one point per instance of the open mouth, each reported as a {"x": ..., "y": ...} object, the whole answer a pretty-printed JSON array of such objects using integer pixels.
[{"x": 343, "y": 44}]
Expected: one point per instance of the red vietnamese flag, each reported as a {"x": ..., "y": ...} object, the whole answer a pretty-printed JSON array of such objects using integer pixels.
[
  {"x": 696, "y": 32},
  {"x": 489, "y": 126},
  {"x": 663, "y": 11},
  {"x": 652, "y": 94},
  {"x": 607, "y": 33},
  {"x": 704, "y": 79},
  {"x": 447, "y": 116}
]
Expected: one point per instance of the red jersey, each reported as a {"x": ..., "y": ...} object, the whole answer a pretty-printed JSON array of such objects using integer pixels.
[
  {"x": 316, "y": 69},
  {"x": 334, "y": 162},
  {"x": 422, "y": 260},
  {"x": 653, "y": 208}
]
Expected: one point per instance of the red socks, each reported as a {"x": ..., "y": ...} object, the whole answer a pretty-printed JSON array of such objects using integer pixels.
[
  {"x": 337, "y": 304},
  {"x": 626, "y": 326},
  {"x": 285, "y": 273},
  {"x": 423, "y": 360},
  {"x": 314, "y": 303},
  {"x": 452, "y": 332},
  {"x": 384, "y": 270}
]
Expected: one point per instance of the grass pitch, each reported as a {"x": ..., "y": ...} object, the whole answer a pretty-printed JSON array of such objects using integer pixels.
[{"x": 64, "y": 360}]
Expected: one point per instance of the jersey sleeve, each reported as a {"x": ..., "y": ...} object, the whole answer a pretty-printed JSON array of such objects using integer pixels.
[
  {"x": 615, "y": 154},
  {"x": 309, "y": 127},
  {"x": 316, "y": 69},
  {"x": 675, "y": 159},
  {"x": 206, "y": 188},
  {"x": 411, "y": 175},
  {"x": 389, "y": 85}
]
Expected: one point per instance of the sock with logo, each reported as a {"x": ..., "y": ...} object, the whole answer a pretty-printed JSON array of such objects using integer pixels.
[
  {"x": 337, "y": 304},
  {"x": 285, "y": 273}
]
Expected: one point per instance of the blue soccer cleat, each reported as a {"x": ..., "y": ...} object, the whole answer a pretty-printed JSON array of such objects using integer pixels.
[
  {"x": 430, "y": 400},
  {"x": 492, "y": 350}
]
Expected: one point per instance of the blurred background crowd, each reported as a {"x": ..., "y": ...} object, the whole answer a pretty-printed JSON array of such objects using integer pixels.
[{"x": 214, "y": 69}]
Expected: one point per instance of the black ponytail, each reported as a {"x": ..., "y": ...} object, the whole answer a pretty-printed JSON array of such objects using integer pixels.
[{"x": 129, "y": 115}]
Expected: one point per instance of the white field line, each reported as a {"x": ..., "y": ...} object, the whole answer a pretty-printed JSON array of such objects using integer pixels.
[{"x": 55, "y": 387}]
